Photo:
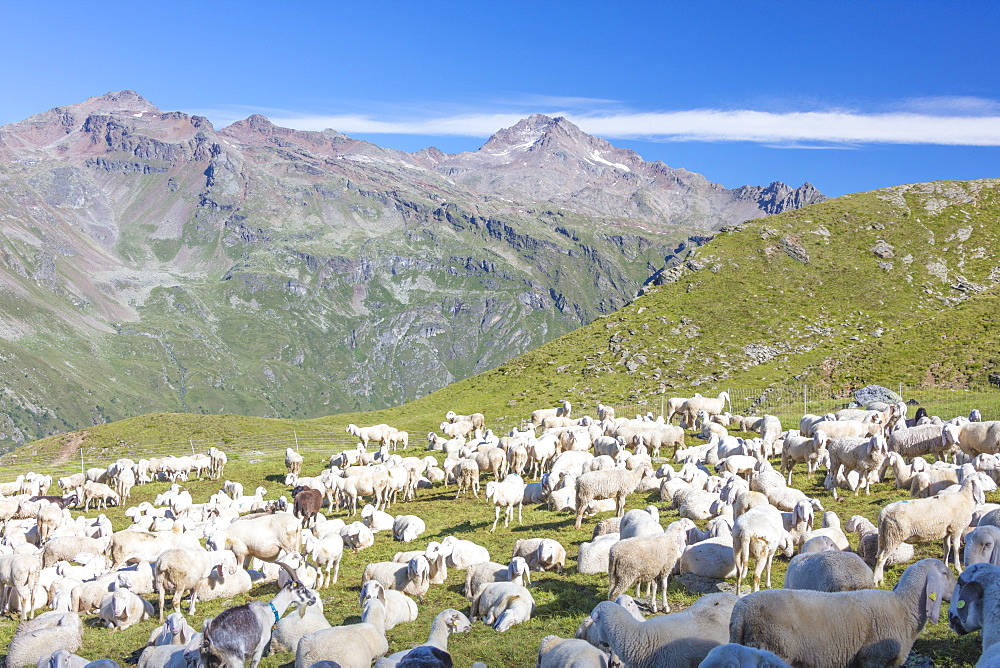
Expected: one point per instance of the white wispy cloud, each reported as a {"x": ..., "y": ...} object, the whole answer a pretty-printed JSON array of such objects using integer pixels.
[{"x": 955, "y": 121}]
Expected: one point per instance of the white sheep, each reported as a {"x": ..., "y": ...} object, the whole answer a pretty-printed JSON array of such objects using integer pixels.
[
  {"x": 293, "y": 461},
  {"x": 850, "y": 453},
  {"x": 506, "y": 495},
  {"x": 350, "y": 646},
  {"x": 594, "y": 557},
  {"x": 406, "y": 528},
  {"x": 460, "y": 553},
  {"x": 399, "y": 608},
  {"x": 758, "y": 534},
  {"x": 291, "y": 628},
  {"x": 517, "y": 571},
  {"x": 46, "y": 633},
  {"x": 982, "y": 545},
  {"x": 445, "y": 623},
  {"x": 542, "y": 554},
  {"x": 732, "y": 655},
  {"x": 121, "y": 609},
  {"x": 828, "y": 571},
  {"x": 502, "y": 605},
  {"x": 357, "y": 536},
  {"x": 874, "y": 627},
  {"x": 174, "y": 631},
  {"x": 556, "y": 652},
  {"x": 645, "y": 559},
  {"x": 411, "y": 578},
  {"x": 183, "y": 569},
  {"x": 923, "y": 520},
  {"x": 678, "y": 639},
  {"x": 326, "y": 553},
  {"x": 974, "y": 437},
  {"x": 615, "y": 485},
  {"x": 868, "y": 542}
]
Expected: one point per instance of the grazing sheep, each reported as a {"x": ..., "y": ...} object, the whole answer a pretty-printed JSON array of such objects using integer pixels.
[
  {"x": 868, "y": 542},
  {"x": 711, "y": 406},
  {"x": 506, "y": 495},
  {"x": 517, "y": 571},
  {"x": 264, "y": 537},
  {"x": 758, "y": 534},
  {"x": 502, "y": 605},
  {"x": 874, "y": 627},
  {"x": 945, "y": 516},
  {"x": 645, "y": 559},
  {"x": 556, "y": 652},
  {"x": 171, "y": 656},
  {"x": 678, "y": 639},
  {"x": 850, "y": 453},
  {"x": 446, "y": 622},
  {"x": 560, "y": 411},
  {"x": 828, "y": 571},
  {"x": 615, "y": 485},
  {"x": 348, "y": 646},
  {"x": 183, "y": 569}
]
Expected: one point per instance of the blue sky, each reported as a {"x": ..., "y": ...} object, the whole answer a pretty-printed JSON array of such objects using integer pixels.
[{"x": 848, "y": 95}]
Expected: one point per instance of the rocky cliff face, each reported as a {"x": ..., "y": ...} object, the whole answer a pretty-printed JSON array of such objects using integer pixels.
[{"x": 152, "y": 262}]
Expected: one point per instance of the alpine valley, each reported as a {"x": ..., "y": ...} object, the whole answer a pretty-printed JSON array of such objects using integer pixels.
[{"x": 153, "y": 263}]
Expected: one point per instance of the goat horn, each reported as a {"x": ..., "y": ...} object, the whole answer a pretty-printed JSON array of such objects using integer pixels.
[{"x": 291, "y": 573}]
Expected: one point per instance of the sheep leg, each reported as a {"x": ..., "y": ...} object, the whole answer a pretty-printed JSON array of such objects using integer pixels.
[
  {"x": 664, "y": 582},
  {"x": 194, "y": 599},
  {"x": 758, "y": 570},
  {"x": 651, "y": 590},
  {"x": 520, "y": 520},
  {"x": 496, "y": 519}
]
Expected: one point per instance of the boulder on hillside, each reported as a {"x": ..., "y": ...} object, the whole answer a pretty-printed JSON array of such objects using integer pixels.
[{"x": 870, "y": 393}]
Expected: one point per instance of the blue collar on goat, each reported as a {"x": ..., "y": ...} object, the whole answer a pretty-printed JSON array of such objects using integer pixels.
[{"x": 275, "y": 611}]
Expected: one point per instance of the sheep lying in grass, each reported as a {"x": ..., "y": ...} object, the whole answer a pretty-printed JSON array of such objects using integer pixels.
[
  {"x": 517, "y": 571},
  {"x": 502, "y": 605},
  {"x": 446, "y": 622},
  {"x": 678, "y": 639},
  {"x": 349, "y": 646}
]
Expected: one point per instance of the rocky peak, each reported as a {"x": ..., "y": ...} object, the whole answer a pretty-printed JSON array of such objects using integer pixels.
[
  {"x": 778, "y": 197},
  {"x": 125, "y": 101}
]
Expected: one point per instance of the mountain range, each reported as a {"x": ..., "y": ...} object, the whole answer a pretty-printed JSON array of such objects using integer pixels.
[{"x": 153, "y": 263}]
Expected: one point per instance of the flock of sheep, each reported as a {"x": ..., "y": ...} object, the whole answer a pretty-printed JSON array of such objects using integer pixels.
[{"x": 735, "y": 509}]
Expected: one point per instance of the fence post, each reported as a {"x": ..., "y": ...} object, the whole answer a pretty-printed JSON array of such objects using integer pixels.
[
  {"x": 296, "y": 435},
  {"x": 191, "y": 442},
  {"x": 805, "y": 399},
  {"x": 82, "y": 470}
]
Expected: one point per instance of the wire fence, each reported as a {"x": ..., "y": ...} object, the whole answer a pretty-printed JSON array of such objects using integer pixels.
[{"x": 787, "y": 403}]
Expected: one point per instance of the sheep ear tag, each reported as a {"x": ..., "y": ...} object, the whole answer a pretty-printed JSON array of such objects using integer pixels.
[
  {"x": 932, "y": 596},
  {"x": 960, "y": 604}
]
